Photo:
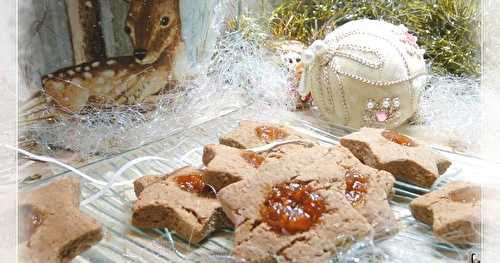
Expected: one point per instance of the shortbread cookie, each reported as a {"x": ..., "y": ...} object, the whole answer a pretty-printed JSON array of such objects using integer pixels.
[
  {"x": 180, "y": 202},
  {"x": 367, "y": 189},
  {"x": 251, "y": 134},
  {"x": 404, "y": 157},
  {"x": 335, "y": 168},
  {"x": 143, "y": 182},
  {"x": 383, "y": 178},
  {"x": 226, "y": 165},
  {"x": 316, "y": 173},
  {"x": 245, "y": 137},
  {"x": 284, "y": 163},
  {"x": 301, "y": 240},
  {"x": 51, "y": 226},
  {"x": 453, "y": 211}
]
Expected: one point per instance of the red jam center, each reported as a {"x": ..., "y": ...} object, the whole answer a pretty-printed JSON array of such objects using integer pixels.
[
  {"x": 191, "y": 183},
  {"x": 30, "y": 220},
  {"x": 292, "y": 207},
  {"x": 398, "y": 138},
  {"x": 356, "y": 187},
  {"x": 252, "y": 158},
  {"x": 270, "y": 133}
]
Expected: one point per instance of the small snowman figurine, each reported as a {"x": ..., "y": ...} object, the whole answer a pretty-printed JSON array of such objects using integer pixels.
[{"x": 365, "y": 73}]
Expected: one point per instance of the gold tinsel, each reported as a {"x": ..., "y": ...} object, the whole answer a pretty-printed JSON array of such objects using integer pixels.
[{"x": 447, "y": 29}]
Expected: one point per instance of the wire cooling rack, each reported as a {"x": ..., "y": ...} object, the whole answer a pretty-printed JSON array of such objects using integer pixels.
[{"x": 123, "y": 242}]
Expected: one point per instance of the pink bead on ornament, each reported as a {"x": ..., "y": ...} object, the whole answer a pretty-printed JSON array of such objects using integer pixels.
[
  {"x": 409, "y": 38},
  {"x": 381, "y": 116}
]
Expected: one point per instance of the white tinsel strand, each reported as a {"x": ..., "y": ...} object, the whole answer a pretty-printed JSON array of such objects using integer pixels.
[
  {"x": 450, "y": 108},
  {"x": 240, "y": 73}
]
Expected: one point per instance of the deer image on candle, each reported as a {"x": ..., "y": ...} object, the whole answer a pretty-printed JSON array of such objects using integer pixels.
[{"x": 154, "y": 28}]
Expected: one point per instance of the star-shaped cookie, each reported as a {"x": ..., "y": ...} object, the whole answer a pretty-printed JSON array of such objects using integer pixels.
[
  {"x": 351, "y": 200},
  {"x": 226, "y": 165},
  {"x": 454, "y": 212},
  {"x": 406, "y": 158},
  {"x": 51, "y": 226},
  {"x": 180, "y": 202},
  {"x": 252, "y": 133}
]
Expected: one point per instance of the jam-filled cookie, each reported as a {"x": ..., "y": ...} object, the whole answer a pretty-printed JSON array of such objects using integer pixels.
[
  {"x": 226, "y": 165},
  {"x": 251, "y": 134},
  {"x": 181, "y": 202},
  {"x": 404, "y": 157},
  {"x": 305, "y": 205}
]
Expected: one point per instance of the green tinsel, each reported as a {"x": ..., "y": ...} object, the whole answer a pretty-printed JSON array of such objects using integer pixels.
[
  {"x": 250, "y": 27},
  {"x": 447, "y": 29}
]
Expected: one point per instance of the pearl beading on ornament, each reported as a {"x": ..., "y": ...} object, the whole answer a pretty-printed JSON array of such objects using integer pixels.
[
  {"x": 396, "y": 102},
  {"x": 410, "y": 40},
  {"x": 330, "y": 57},
  {"x": 377, "y": 83},
  {"x": 324, "y": 78},
  {"x": 327, "y": 58},
  {"x": 325, "y": 81},
  {"x": 409, "y": 77},
  {"x": 309, "y": 57},
  {"x": 379, "y": 64},
  {"x": 377, "y": 114}
]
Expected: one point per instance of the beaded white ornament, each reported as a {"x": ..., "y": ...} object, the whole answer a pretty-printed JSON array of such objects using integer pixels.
[{"x": 365, "y": 73}]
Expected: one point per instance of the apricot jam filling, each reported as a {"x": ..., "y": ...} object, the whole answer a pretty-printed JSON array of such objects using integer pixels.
[
  {"x": 193, "y": 183},
  {"x": 398, "y": 138},
  {"x": 252, "y": 158},
  {"x": 269, "y": 133},
  {"x": 292, "y": 207},
  {"x": 356, "y": 187}
]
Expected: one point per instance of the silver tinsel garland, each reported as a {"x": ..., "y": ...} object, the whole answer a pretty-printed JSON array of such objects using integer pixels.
[
  {"x": 450, "y": 112},
  {"x": 238, "y": 74}
]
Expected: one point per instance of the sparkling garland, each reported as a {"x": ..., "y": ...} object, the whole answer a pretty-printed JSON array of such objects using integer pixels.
[{"x": 239, "y": 73}]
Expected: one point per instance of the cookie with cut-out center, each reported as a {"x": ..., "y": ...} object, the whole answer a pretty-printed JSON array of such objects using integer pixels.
[
  {"x": 181, "y": 202},
  {"x": 51, "y": 226},
  {"x": 454, "y": 212},
  {"x": 407, "y": 159}
]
